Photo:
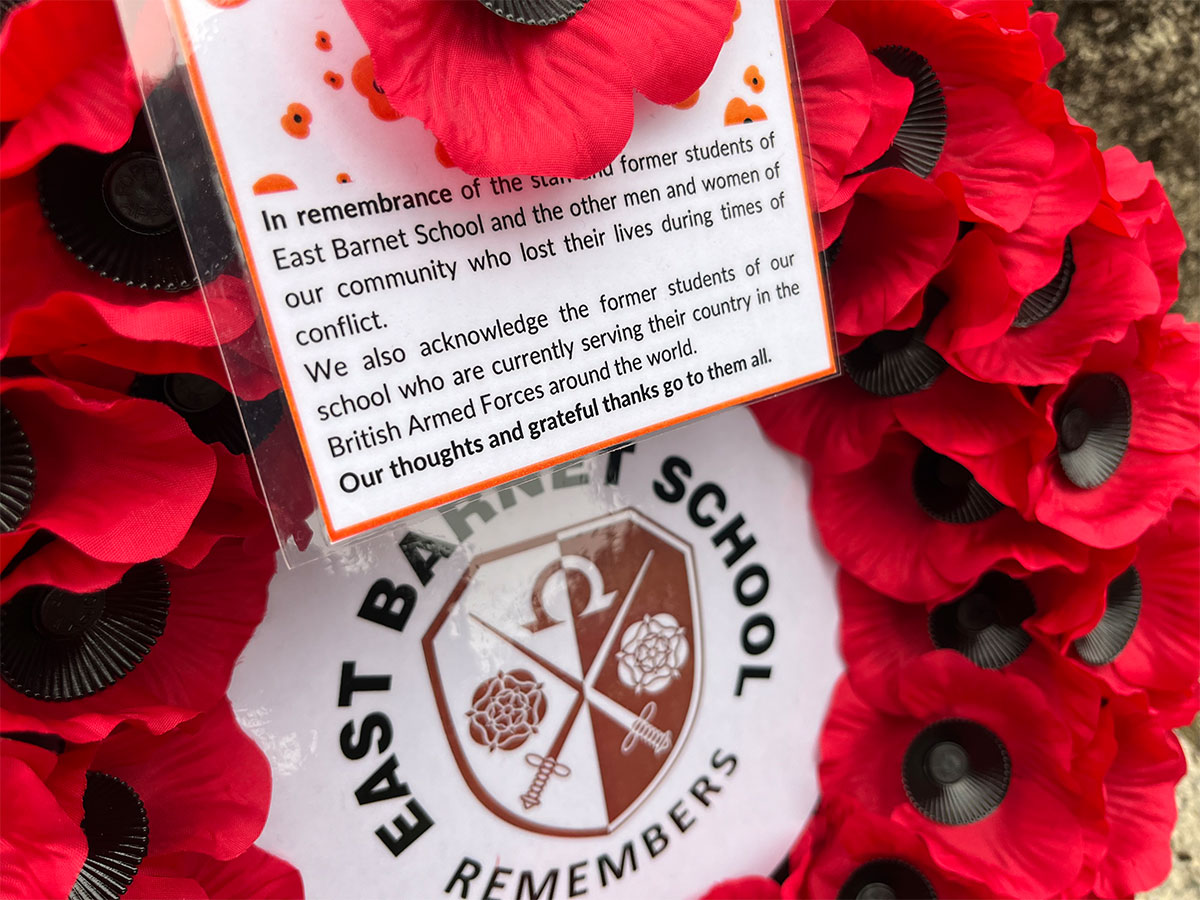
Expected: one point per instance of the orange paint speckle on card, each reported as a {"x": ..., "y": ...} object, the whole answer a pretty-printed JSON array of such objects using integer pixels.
[
  {"x": 274, "y": 184},
  {"x": 754, "y": 79},
  {"x": 363, "y": 76},
  {"x": 334, "y": 80},
  {"x": 296, "y": 120},
  {"x": 323, "y": 41},
  {"x": 689, "y": 102},
  {"x": 343, "y": 178},
  {"x": 739, "y": 112},
  {"x": 226, "y": 4}
]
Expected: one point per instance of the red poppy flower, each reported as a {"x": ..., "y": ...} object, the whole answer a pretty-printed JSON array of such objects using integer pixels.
[
  {"x": 40, "y": 558},
  {"x": 234, "y": 506},
  {"x": 857, "y": 848},
  {"x": 749, "y": 887},
  {"x": 976, "y": 303},
  {"x": 1174, "y": 350},
  {"x": 1101, "y": 286},
  {"x": 975, "y": 762},
  {"x": 896, "y": 360},
  {"x": 803, "y": 14},
  {"x": 853, "y": 104},
  {"x": 1139, "y": 806},
  {"x": 65, "y": 78},
  {"x": 46, "y": 291},
  {"x": 157, "y": 647},
  {"x": 966, "y": 127},
  {"x": 1138, "y": 632},
  {"x": 120, "y": 478},
  {"x": 233, "y": 509},
  {"x": 1032, "y": 253},
  {"x": 184, "y": 800},
  {"x": 254, "y": 873},
  {"x": 1043, "y": 24},
  {"x": 898, "y": 232},
  {"x": 916, "y": 525},
  {"x": 205, "y": 784},
  {"x": 1068, "y": 598},
  {"x": 178, "y": 813},
  {"x": 1012, "y": 15},
  {"x": 992, "y": 624},
  {"x": 41, "y": 806},
  {"x": 1136, "y": 206},
  {"x": 836, "y": 426},
  {"x": 505, "y": 97},
  {"x": 1128, "y": 441},
  {"x": 839, "y": 426}
]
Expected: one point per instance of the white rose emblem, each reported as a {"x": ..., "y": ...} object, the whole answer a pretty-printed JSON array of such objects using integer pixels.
[{"x": 652, "y": 650}]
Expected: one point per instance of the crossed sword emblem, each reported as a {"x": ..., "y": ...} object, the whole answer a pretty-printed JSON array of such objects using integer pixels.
[{"x": 638, "y": 728}]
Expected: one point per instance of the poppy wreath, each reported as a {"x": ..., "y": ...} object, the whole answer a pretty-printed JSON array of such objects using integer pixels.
[
  {"x": 135, "y": 547},
  {"x": 1007, "y": 472}
]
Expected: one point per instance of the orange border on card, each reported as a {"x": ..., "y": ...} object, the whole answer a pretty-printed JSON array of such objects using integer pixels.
[{"x": 337, "y": 534}]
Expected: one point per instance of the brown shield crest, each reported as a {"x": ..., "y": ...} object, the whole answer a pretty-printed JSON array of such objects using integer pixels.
[{"x": 567, "y": 670}]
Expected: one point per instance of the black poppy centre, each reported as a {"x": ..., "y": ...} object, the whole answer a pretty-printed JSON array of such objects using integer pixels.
[
  {"x": 118, "y": 837},
  {"x": 984, "y": 624},
  {"x": 1122, "y": 609},
  {"x": 948, "y": 492},
  {"x": 1093, "y": 420},
  {"x": 921, "y": 137},
  {"x": 17, "y": 472},
  {"x": 886, "y": 879},
  {"x": 212, "y": 412},
  {"x": 956, "y": 772},
  {"x": 58, "y": 645},
  {"x": 535, "y": 12}
]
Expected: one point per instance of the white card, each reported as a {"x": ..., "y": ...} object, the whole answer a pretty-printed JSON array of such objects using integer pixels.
[
  {"x": 438, "y": 334},
  {"x": 608, "y": 679}
]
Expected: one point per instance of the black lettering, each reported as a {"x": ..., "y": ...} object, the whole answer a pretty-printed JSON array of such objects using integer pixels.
[
  {"x": 750, "y": 672},
  {"x": 740, "y": 545},
  {"x": 525, "y": 885},
  {"x": 456, "y": 516},
  {"x": 745, "y": 597},
  {"x": 494, "y": 882},
  {"x": 705, "y": 490},
  {"x": 372, "y": 790},
  {"x": 574, "y": 878},
  {"x": 423, "y": 553},
  {"x": 565, "y": 476},
  {"x": 408, "y": 831},
  {"x": 376, "y": 721},
  {"x": 655, "y": 841},
  {"x": 702, "y": 787},
  {"x": 467, "y": 864},
  {"x": 679, "y": 816},
  {"x": 671, "y": 467},
  {"x": 612, "y": 471},
  {"x": 755, "y": 647},
  {"x": 719, "y": 763},
  {"x": 378, "y": 607},
  {"x": 351, "y": 684},
  {"x": 604, "y": 862}
]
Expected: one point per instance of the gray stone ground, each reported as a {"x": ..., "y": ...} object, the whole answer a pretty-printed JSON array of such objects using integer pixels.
[{"x": 1132, "y": 74}]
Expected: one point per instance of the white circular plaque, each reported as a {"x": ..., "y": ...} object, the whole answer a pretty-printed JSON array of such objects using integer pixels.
[{"x": 606, "y": 680}]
